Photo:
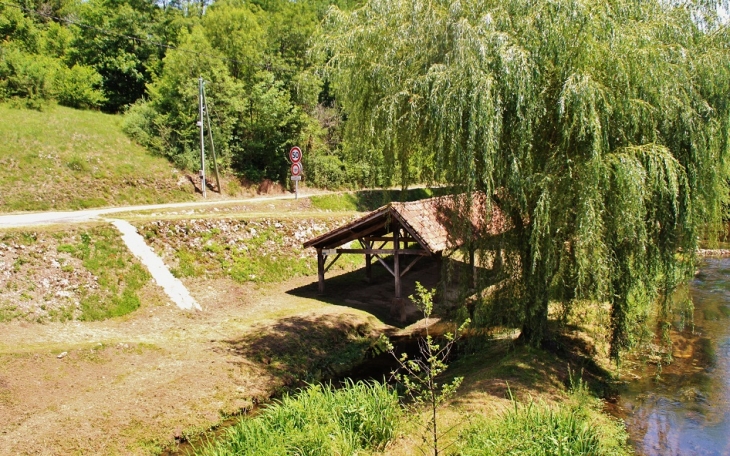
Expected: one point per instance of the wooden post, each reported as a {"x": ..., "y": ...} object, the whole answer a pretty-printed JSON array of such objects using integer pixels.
[
  {"x": 498, "y": 260},
  {"x": 369, "y": 267},
  {"x": 473, "y": 268},
  {"x": 320, "y": 270},
  {"x": 396, "y": 260}
]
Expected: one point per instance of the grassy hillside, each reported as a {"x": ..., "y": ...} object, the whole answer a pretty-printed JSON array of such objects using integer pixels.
[{"x": 63, "y": 158}]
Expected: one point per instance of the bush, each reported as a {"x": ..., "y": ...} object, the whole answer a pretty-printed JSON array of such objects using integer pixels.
[
  {"x": 78, "y": 87},
  {"x": 326, "y": 171},
  {"x": 38, "y": 77},
  {"x": 320, "y": 420},
  {"x": 26, "y": 76},
  {"x": 139, "y": 123}
]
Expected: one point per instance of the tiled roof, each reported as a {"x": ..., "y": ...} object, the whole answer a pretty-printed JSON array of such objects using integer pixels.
[{"x": 433, "y": 222}]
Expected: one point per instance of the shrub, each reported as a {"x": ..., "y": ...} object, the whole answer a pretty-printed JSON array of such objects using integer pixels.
[
  {"x": 27, "y": 76},
  {"x": 139, "y": 123},
  {"x": 78, "y": 87},
  {"x": 326, "y": 171}
]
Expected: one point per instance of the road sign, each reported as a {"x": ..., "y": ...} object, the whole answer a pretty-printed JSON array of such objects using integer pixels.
[
  {"x": 296, "y": 178},
  {"x": 296, "y": 169},
  {"x": 295, "y": 154}
]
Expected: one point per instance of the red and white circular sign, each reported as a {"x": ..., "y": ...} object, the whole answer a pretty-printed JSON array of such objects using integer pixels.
[
  {"x": 296, "y": 169},
  {"x": 295, "y": 154}
]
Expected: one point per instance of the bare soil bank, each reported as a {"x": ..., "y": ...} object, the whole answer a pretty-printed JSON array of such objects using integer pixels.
[{"x": 135, "y": 384}]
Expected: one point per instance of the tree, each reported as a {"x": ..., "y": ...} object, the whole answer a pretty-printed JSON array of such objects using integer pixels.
[
  {"x": 599, "y": 127},
  {"x": 233, "y": 29},
  {"x": 118, "y": 41},
  {"x": 167, "y": 121}
]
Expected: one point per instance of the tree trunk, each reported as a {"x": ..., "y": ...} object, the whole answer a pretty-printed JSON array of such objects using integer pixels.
[
  {"x": 534, "y": 327},
  {"x": 536, "y": 283}
]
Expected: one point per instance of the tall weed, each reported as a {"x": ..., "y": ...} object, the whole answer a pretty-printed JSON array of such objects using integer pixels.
[
  {"x": 319, "y": 420},
  {"x": 572, "y": 427}
]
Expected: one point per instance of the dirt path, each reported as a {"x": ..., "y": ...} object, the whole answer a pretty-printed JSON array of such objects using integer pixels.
[{"x": 134, "y": 384}]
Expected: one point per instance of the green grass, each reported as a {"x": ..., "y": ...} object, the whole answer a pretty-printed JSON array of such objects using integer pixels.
[
  {"x": 62, "y": 158},
  {"x": 319, "y": 420},
  {"x": 260, "y": 251},
  {"x": 8, "y": 312},
  {"x": 573, "y": 427},
  {"x": 119, "y": 278},
  {"x": 368, "y": 200}
]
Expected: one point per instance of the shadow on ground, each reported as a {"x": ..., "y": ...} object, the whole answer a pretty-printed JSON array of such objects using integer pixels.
[
  {"x": 377, "y": 298},
  {"x": 504, "y": 367},
  {"x": 352, "y": 290},
  {"x": 303, "y": 349}
]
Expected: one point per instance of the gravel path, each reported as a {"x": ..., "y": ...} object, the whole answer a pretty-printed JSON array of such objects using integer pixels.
[
  {"x": 54, "y": 217},
  {"x": 173, "y": 287}
]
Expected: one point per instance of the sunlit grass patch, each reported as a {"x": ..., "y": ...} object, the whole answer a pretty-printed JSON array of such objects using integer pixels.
[
  {"x": 572, "y": 427},
  {"x": 368, "y": 200},
  {"x": 319, "y": 420},
  {"x": 63, "y": 158},
  {"x": 266, "y": 250}
]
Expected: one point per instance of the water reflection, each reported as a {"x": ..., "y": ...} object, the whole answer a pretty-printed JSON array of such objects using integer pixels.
[{"x": 686, "y": 410}]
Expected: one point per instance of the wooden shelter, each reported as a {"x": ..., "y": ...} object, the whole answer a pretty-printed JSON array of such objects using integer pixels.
[{"x": 409, "y": 232}]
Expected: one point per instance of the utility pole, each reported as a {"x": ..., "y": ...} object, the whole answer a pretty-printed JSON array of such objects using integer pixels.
[
  {"x": 202, "y": 136},
  {"x": 212, "y": 146}
]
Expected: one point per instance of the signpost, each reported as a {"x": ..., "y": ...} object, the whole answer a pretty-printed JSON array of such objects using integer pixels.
[{"x": 295, "y": 154}]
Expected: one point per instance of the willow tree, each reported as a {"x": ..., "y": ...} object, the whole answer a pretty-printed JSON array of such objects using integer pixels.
[{"x": 600, "y": 127}]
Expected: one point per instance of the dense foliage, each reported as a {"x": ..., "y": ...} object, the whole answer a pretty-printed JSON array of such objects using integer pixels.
[
  {"x": 144, "y": 58},
  {"x": 600, "y": 127}
]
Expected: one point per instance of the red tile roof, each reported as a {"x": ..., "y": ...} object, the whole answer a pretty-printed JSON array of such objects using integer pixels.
[{"x": 433, "y": 222}]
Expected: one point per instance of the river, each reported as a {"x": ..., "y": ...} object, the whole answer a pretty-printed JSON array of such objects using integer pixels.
[{"x": 686, "y": 409}]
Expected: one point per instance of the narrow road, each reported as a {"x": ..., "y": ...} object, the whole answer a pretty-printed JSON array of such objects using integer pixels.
[{"x": 69, "y": 217}]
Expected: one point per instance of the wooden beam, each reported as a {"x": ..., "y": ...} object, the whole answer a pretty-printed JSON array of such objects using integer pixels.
[
  {"x": 396, "y": 261},
  {"x": 368, "y": 260},
  {"x": 332, "y": 262},
  {"x": 369, "y": 268},
  {"x": 385, "y": 265},
  {"x": 408, "y": 268},
  {"x": 360, "y": 234},
  {"x": 320, "y": 270},
  {"x": 383, "y": 251},
  {"x": 388, "y": 239}
]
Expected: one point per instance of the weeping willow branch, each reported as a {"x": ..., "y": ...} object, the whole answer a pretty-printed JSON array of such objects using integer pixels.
[{"x": 602, "y": 127}]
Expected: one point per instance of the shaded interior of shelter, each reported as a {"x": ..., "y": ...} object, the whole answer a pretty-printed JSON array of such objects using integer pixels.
[{"x": 352, "y": 289}]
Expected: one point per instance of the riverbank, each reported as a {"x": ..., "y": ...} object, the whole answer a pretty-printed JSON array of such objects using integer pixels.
[
  {"x": 513, "y": 399},
  {"x": 262, "y": 331}
]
